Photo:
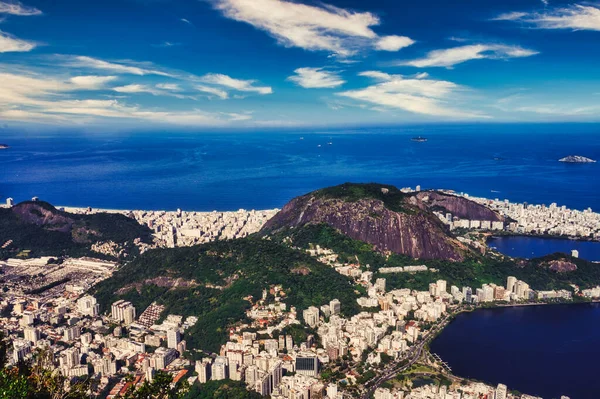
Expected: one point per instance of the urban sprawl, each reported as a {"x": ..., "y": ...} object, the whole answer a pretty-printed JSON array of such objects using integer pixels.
[{"x": 387, "y": 338}]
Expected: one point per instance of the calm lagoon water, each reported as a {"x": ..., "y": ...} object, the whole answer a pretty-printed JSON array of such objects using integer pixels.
[
  {"x": 547, "y": 351},
  {"x": 533, "y": 247}
]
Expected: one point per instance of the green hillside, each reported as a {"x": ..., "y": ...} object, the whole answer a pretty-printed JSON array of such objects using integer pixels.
[
  {"x": 233, "y": 270},
  {"x": 42, "y": 230}
]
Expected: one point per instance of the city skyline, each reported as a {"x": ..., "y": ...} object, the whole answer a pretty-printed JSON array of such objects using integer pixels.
[{"x": 271, "y": 63}]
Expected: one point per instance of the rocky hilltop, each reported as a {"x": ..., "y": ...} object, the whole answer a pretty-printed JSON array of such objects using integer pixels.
[{"x": 385, "y": 217}]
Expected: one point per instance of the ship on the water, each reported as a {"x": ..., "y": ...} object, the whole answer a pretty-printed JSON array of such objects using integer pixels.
[
  {"x": 419, "y": 139},
  {"x": 4, "y": 146}
]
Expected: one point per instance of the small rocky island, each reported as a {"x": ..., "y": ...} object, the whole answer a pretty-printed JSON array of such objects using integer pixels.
[
  {"x": 576, "y": 159},
  {"x": 4, "y": 146}
]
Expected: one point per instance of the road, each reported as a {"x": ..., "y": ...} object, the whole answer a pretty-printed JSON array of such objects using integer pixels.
[{"x": 412, "y": 356}]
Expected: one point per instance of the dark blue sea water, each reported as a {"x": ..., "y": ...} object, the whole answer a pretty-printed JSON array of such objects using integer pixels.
[
  {"x": 532, "y": 247},
  {"x": 227, "y": 171},
  {"x": 541, "y": 350}
]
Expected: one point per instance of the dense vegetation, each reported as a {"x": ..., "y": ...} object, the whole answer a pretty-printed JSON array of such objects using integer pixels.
[
  {"x": 393, "y": 198},
  {"x": 473, "y": 272},
  {"x": 216, "y": 277},
  {"x": 225, "y": 389},
  {"x": 72, "y": 236}
]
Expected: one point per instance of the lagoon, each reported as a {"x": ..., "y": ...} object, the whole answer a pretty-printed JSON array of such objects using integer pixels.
[
  {"x": 546, "y": 350},
  {"x": 534, "y": 247}
]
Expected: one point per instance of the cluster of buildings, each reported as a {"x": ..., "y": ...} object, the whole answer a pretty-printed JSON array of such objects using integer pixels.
[
  {"x": 182, "y": 228},
  {"x": 542, "y": 219},
  {"x": 85, "y": 343},
  {"x": 470, "y": 390}
]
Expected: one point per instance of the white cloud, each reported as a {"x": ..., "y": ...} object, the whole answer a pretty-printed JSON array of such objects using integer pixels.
[
  {"x": 393, "y": 43},
  {"x": 222, "y": 94},
  {"x": 16, "y": 8},
  {"x": 168, "y": 90},
  {"x": 309, "y": 27},
  {"x": 9, "y": 43},
  {"x": 29, "y": 97},
  {"x": 420, "y": 96},
  {"x": 91, "y": 82},
  {"x": 236, "y": 84},
  {"x": 510, "y": 16},
  {"x": 186, "y": 21},
  {"x": 123, "y": 67},
  {"x": 316, "y": 78},
  {"x": 169, "y": 86},
  {"x": 458, "y": 55},
  {"x": 576, "y": 17}
]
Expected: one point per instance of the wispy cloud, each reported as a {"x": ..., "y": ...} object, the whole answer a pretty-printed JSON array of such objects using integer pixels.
[
  {"x": 235, "y": 84},
  {"x": 576, "y": 17},
  {"x": 29, "y": 97},
  {"x": 91, "y": 82},
  {"x": 10, "y": 43},
  {"x": 457, "y": 55},
  {"x": 186, "y": 21},
  {"x": 16, "y": 8},
  {"x": 316, "y": 78},
  {"x": 213, "y": 91},
  {"x": 418, "y": 95},
  {"x": 121, "y": 67},
  {"x": 325, "y": 28}
]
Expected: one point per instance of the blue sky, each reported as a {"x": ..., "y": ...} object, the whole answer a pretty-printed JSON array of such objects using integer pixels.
[{"x": 273, "y": 63}]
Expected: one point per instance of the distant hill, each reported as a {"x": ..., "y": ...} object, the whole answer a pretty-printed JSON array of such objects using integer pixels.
[
  {"x": 40, "y": 228},
  {"x": 382, "y": 215}
]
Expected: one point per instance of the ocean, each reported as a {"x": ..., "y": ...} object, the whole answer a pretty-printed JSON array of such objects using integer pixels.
[{"x": 207, "y": 171}]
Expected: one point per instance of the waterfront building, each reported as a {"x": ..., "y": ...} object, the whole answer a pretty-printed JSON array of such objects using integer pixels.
[
  {"x": 510, "y": 283},
  {"x": 501, "y": 392}
]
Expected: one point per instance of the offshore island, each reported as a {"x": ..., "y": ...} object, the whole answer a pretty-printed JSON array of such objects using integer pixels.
[
  {"x": 576, "y": 159},
  {"x": 336, "y": 295}
]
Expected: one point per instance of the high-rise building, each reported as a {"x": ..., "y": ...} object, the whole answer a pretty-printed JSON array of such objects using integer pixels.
[
  {"x": 220, "y": 368},
  {"x": 311, "y": 316},
  {"x": 123, "y": 311},
  {"x": 88, "y": 306},
  {"x": 203, "y": 368},
  {"x": 501, "y": 392},
  {"x": 335, "y": 306},
  {"x": 32, "y": 334},
  {"x": 441, "y": 287},
  {"x": 468, "y": 294},
  {"x": 510, "y": 283},
  {"x": 173, "y": 338},
  {"x": 71, "y": 333},
  {"x": 307, "y": 364}
]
